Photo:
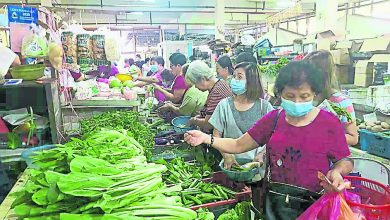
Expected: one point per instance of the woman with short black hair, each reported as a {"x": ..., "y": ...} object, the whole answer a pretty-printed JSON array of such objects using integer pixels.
[{"x": 301, "y": 140}]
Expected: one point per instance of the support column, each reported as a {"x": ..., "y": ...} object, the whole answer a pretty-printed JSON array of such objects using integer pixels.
[
  {"x": 219, "y": 19},
  {"x": 182, "y": 29},
  {"x": 326, "y": 15}
]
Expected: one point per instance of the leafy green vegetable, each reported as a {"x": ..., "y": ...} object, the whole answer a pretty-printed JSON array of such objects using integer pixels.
[{"x": 240, "y": 212}]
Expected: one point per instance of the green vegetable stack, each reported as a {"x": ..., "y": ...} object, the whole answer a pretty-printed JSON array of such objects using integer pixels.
[
  {"x": 73, "y": 183},
  {"x": 119, "y": 120}
]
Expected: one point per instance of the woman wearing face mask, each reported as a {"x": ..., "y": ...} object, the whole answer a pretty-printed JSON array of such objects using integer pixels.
[
  {"x": 225, "y": 68},
  {"x": 301, "y": 139},
  {"x": 235, "y": 115},
  {"x": 156, "y": 68},
  {"x": 200, "y": 75},
  {"x": 323, "y": 60}
]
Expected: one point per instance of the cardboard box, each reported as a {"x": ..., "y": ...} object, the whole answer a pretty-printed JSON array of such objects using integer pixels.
[
  {"x": 364, "y": 73},
  {"x": 342, "y": 74},
  {"x": 341, "y": 56},
  {"x": 377, "y": 45},
  {"x": 363, "y": 80}
]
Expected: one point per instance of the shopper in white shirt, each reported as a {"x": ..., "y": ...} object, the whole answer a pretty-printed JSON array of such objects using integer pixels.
[{"x": 8, "y": 58}]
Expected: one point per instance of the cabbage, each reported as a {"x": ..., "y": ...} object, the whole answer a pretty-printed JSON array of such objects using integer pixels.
[{"x": 129, "y": 84}]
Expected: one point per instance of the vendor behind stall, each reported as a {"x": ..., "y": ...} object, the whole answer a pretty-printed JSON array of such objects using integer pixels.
[
  {"x": 179, "y": 87},
  {"x": 7, "y": 59},
  {"x": 193, "y": 101},
  {"x": 157, "y": 68},
  {"x": 200, "y": 75}
]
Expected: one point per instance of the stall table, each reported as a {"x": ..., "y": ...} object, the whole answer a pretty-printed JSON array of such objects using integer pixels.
[{"x": 6, "y": 212}]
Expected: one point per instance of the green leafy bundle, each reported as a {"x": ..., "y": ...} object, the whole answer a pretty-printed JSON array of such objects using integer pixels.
[
  {"x": 119, "y": 120},
  {"x": 180, "y": 171},
  {"x": 272, "y": 70},
  {"x": 109, "y": 145},
  {"x": 240, "y": 212}
]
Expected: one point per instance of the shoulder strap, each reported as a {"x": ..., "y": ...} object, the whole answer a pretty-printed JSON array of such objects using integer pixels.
[{"x": 268, "y": 153}]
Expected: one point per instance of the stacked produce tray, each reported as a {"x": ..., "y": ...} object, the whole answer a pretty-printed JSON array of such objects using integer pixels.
[{"x": 375, "y": 143}]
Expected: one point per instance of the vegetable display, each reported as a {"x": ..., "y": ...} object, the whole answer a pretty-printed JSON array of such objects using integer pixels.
[
  {"x": 104, "y": 176},
  {"x": 240, "y": 212},
  {"x": 197, "y": 192},
  {"x": 119, "y": 120},
  {"x": 272, "y": 70},
  {"x": 110, "y": 145},
  {"x": 180, "y": 171}
]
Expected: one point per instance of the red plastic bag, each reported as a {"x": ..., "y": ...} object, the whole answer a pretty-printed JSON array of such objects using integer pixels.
[{"x": 331, "y": 206}]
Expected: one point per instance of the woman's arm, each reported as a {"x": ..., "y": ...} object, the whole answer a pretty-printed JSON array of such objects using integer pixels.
[
  {"x": 227, "y": 145},
  {"x": 351, "y": 133},
  {"x": 176, "y": 97},
  {"x": 148, "y": 80}
]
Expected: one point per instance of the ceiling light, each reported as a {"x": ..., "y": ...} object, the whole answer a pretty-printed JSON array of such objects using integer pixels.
[{"x": 136, "y": 13}]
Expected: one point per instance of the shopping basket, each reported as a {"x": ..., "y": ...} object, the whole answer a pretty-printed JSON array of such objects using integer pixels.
[{"x": 374, "y": 198}]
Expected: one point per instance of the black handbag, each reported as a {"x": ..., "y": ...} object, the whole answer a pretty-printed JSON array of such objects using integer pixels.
[{"x": 284, "y": 201}]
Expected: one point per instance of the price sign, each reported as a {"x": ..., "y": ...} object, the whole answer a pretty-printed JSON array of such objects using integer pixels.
[{"x": 24, "y": 15}]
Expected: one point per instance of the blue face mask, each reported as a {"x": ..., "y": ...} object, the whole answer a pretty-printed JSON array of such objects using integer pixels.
[
  {"x": 154, "y": 68},
  {"x": 296, "y": 109},
  {"x": 238, "y": 86}
]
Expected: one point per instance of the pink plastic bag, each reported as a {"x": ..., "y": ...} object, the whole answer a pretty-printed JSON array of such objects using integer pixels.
[{"x": 331, "y": 206}]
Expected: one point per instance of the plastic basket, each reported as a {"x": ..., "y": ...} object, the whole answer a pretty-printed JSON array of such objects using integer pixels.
[
  {"x": 243, "y": 192},
  {"x": 241, "y": 176},
  {"x": 27, "y": 154},
  {"x": 28, "y": 72},
  {"x": 375, "y": 198}
]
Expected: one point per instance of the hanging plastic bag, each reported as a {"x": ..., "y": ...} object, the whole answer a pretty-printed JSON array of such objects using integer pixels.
[
  {"x": 331, "y": 206},
  {"x": 34, "y": 44},
  {"x": 112, "y": 47}
]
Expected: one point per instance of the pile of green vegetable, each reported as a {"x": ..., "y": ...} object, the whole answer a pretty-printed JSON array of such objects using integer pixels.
[
  {"x": 341, "y": 111},
  {"x": 119, "y": 120},
  {"x": 104, "y": 176},
  {"x": 198, "y": 192},
  {"x": 272, "y": 70},
  {"x": 110, "y": 145},
  {"x": 95, "y": 186},
  {"x": 240, "y": 212},
  {"x": 180, "y": 171}
]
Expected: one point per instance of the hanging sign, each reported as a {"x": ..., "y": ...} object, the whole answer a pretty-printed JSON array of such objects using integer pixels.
[{"x": 24, "y": 15}]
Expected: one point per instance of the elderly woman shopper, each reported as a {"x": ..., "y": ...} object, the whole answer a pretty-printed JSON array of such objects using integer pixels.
[
  {"x": 193, "y": 101},
  {"x": 323, "y": 60},
  {"x": 200, "y": 75},
  {"x": 301, "y": 140}
]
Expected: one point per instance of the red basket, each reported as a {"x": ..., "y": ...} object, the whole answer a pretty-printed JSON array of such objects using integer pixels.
[{"x": 375, "y": 198}]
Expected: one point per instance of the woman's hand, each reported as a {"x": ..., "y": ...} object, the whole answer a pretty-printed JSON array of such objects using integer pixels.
[
  {"x": 337, "y": 182},
  {"x": 192, "y": 120},
  {"x": 195, "y": 138},
  {"x": 259, "y": 158},
  {"x": 229, "y": 160},
  {"x": 166, "y": 107}
]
